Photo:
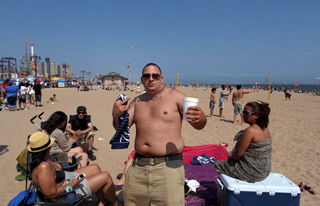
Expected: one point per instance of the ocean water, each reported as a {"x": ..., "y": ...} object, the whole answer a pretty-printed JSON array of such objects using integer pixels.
[{"x": 305, "y": 87}]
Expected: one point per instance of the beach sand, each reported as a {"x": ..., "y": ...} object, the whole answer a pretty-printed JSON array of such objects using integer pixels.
[{"x": 294, "y": 126}]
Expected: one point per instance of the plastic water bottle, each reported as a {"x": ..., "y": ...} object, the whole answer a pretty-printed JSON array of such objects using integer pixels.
[
  {"x": 70, "y": 197},
  {"x": 68, "y": 187}
]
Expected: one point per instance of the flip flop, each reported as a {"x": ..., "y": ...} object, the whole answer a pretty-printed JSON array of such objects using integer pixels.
[
  {"x": 119, "y": 176},
  {"x": 223, "y": 144},
  {"x": 118, "y": 187},
  {"x": 309, "y": 189},
  {"x": 20, "y": 177},
  {"x": 300, "y": 186}
]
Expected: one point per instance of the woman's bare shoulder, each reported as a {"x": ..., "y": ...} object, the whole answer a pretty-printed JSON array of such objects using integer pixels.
[
  {"x": 251, "y": 131},
  {"x": 44, "y": 165}
]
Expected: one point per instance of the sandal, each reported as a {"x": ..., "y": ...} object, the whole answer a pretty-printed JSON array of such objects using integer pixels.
[
  {"x": 300, "y": 186},
  {"x": 309, "y": 189},
  {"x": 223, "y": 144},
  {"x": 119, "y": 176}
]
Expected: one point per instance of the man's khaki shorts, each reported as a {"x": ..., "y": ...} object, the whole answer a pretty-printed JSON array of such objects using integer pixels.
[
  {"x": 82, "y": 138},
  {"x": 154, "y": 183}
]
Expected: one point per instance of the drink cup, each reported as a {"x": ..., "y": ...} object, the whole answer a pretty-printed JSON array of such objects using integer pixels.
[{"x": 188, "y": 102}]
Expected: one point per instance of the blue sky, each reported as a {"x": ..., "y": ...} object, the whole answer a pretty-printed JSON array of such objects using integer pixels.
[{"x": 238, "y": 41}]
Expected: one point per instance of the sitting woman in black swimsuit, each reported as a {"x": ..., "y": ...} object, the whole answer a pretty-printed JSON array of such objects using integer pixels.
[{"x": 51, "y": 179}]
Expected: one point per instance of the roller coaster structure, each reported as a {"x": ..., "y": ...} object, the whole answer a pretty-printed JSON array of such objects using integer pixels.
[{"x": 8, "y": 66}]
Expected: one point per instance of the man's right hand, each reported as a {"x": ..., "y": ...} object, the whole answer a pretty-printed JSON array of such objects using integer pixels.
[{"x": 119, "y": 107}]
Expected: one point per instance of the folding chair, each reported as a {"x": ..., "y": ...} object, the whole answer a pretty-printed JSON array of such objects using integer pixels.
[{"x": 44, "y": 200}]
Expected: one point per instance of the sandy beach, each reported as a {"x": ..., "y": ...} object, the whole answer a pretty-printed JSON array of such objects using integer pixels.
[{"x": 294, "y": 126}]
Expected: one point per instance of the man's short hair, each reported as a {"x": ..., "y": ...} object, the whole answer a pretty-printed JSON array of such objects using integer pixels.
[
  {"x": 239, "y": 86},
  {"x": 81, "y": 109},
  {"x": 213, "y": 89},
  {"x": 151, "y": 64}
]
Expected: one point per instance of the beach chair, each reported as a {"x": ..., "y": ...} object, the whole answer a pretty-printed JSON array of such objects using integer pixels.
[{"x": 44, "y": 200}]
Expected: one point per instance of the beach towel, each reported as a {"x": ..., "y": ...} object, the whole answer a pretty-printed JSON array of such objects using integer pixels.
[
  {"x": 121, "y": 139},
  {"x": 206, "y": 193},
  {"x": 212, "y": 150}
]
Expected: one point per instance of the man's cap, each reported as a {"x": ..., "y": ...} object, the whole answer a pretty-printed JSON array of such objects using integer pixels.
[
  {"x": 81, "y": 109},
  {"x": 10, "y": 82},
  {"x": 38, "y": 81}
]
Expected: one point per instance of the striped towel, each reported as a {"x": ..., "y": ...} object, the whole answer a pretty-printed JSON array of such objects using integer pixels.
[{"x": 121, "y": 139}]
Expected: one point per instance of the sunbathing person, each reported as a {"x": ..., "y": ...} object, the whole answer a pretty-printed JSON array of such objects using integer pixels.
[
  {"x": 63, "y": 146},
  {"x": 251, "y": 157},
  {"x": 50, "y": 178}
]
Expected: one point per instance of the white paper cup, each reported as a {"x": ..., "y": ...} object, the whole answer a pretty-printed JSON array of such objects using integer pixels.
[{"x": 188, "y": 102}]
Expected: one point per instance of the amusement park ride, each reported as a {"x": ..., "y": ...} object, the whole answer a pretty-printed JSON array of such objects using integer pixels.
[
  {"x": 8, "y": 66},
  {"x": 28, "y": 65}
]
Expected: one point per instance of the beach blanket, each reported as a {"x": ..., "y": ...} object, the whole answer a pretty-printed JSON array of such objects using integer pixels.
[
  {"x": 211, "y": 150},
  {"x": 205, "y": 174}
]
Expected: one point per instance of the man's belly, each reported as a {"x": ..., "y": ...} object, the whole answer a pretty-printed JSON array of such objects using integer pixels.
[{"x": 158, "y": 146}]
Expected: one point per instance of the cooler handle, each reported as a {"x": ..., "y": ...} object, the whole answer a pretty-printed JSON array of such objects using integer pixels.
[{"x": 221, "y": 185}]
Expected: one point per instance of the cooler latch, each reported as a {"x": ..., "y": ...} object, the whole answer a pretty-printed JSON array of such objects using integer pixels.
[
  {"x": 294, "y": 193},
  {"x": 259, "y": 192},
  {"x": 236, "y": 191},
  {"x": 272, "y": 192}
]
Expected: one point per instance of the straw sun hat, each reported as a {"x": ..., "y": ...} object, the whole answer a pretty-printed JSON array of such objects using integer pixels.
[{"x": 39, "y": 141}]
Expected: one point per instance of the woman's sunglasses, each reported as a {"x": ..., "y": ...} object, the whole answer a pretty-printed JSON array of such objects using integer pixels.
[
  {"x": 154, "y": 76},
  {"x": 247, "y": 113},
  {"x": 82, "y": 113}
]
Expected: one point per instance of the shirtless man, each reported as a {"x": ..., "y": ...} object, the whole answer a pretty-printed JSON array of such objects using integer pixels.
[
  {"x": 157, "y": 173},
  {"x": 237, "y": 99}
]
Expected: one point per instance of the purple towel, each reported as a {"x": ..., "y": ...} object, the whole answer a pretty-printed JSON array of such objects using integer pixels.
[{"x": 207, "y": 176}]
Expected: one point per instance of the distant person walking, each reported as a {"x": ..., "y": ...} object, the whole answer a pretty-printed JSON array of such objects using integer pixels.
[
  {"x": 287, "y": 94},
  {"x": 23, "y": 96},
  {"x": 5, "y": 84},
  {"x": 223, "y": 97},
  {"x": 38, "y": 93},
  {"x": 237, "y": 99},
  {"x": 212, "y": 101},
  {"x": 12, "y": 94}
]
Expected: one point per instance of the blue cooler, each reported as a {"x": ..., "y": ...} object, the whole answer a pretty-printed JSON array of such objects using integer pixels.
[{"x": 276, "y": 189}]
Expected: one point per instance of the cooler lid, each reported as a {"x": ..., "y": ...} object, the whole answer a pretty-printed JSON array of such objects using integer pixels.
[
  {"x": 233, "y": 184},
  {"x": 280, "y": 184},
  {"x": 274, "y": 183}
]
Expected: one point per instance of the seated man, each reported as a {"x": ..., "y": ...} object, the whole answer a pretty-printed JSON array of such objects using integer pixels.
[{"x": 80, "y": 126}]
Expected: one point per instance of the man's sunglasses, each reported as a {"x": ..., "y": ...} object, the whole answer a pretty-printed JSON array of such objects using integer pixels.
[
  {"x": 82, "y": 113},
  {"x": 154, "y": 76},
  {"x": 247, "y": 113}
]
